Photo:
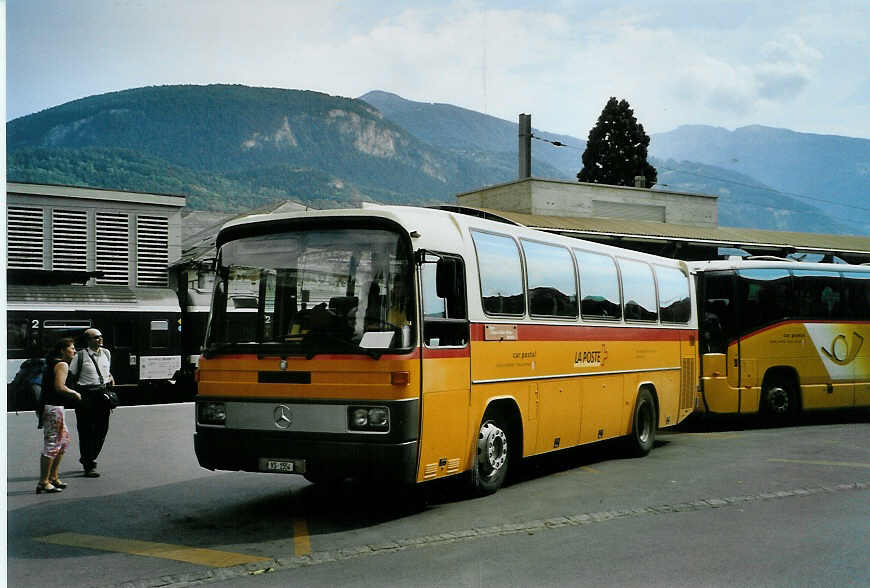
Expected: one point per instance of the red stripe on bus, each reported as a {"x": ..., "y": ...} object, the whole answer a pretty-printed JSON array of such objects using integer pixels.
[
  {"x": 584, "y": 332},
  {"x": 415, "y": 354},
  {"x": 797, "y": 322},
  {"x": 446, "y": 353}
]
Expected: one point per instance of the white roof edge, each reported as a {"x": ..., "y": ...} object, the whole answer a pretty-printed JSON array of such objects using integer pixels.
[
  {"x": 95, "y": 194},
  {"x": 722, "y": 242}
]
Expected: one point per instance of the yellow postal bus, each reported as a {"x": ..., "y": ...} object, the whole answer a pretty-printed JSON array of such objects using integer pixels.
[
  {"x": 778, "y": 337},
  {"x": 411, "y": 344}
]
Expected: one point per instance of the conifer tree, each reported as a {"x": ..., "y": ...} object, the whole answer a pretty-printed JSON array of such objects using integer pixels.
[{"x": 616, "y": 150}]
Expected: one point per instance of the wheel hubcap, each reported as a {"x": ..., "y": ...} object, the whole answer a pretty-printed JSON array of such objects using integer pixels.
[
  {"x": 644, "y": 423},
  {"x": 491, "y": 449},
  {"x": 777, "y": 400}
]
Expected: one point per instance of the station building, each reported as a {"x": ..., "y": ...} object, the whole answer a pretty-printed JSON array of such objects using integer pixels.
[
  {"x": 671, "y": 224},
  {"x": 107, "y": 237},
  {"x": 78, "y": 258}
]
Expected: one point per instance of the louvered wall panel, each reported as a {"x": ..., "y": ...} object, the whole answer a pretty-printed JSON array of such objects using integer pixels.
[
  {"x": 25, "y": 238},
  {"x": 152, "y": 250},
  {"x": 688, "y": 383},
  {"x": 69, "y": 236},
  {"x": 113, "y": 247}
]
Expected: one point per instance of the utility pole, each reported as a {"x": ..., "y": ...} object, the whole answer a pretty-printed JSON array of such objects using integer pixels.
[{"x": 525, "y": 147}]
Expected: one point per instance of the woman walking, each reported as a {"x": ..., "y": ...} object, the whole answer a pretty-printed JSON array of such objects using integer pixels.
[{"x": 55, "y": 435}]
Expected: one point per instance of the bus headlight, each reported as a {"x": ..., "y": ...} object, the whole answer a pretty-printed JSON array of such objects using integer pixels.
[
  {"x": 369, "y": 418},
  {"x": 211, "y": 413}
]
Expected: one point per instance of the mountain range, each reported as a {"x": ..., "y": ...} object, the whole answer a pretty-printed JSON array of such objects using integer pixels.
[{"x": 234, "y": 148}]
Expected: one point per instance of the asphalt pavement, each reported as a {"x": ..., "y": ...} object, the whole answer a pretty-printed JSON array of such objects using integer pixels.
[{"x": 726, "y": 503}]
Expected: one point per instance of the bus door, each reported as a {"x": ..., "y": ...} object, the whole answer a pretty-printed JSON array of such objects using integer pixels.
[
  {"x": 857, "y": 286},
  {"x": 445, "y": 367},
  {"x": 720, "y": 343}
]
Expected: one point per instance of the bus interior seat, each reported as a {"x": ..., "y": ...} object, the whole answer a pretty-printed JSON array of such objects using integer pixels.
[{"x": 343, "y": 305}]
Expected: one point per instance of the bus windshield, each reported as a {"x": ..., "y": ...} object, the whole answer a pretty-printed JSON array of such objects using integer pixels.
[{"x": 305, "y": 292}]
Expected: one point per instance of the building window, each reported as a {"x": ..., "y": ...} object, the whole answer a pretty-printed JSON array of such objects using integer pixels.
[
  {"x": 160, "y": 334},
  {"x": 113, "y": 248},
  {"x": 24, "y": 244},
  {"x": 152, "y": 250},
  {"x": 69, "y": 240}
]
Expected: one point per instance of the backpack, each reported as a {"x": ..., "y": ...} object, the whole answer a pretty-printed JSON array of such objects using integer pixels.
[{"x": 26, "y": 388}]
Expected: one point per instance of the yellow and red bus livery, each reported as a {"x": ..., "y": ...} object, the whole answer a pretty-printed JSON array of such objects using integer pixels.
[
  {"x": 410, "y": 344},
  {"x": 778, "y": 337}
]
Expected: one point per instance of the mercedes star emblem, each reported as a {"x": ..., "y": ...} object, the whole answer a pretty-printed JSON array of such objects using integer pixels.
[{"x": 283, "y": 416}]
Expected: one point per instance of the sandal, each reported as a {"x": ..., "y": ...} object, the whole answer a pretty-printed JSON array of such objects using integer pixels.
[
  {"x": 49, "y": 488},
  {"x": 58, "y": 484}
]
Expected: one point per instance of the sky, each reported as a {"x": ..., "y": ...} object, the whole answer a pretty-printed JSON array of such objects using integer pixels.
[{"x": 800, "y": 64}]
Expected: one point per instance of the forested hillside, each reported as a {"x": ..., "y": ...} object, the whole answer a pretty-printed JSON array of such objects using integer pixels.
[
  {"x": 227, "y": 146},
  {"x": 233, "y": 148}
]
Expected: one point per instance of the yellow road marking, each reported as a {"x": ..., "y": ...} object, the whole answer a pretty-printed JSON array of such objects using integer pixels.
[
  {"x": 845, "y": 464},
  {"x": 194, "y": 555},
  {"x": 589, "y": 469},
  {"x": 301, "y": 543}
]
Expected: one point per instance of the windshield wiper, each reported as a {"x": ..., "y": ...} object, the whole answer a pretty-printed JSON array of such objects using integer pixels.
[
  {"x": 217, "y": 347},
  {"x": 314, "y": 336}
]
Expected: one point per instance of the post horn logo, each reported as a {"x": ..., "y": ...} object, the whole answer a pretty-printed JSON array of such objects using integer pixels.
[{"x": 841, "y": 352}]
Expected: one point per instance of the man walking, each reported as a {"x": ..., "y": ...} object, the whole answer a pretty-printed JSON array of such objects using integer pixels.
[{"x": 91, "y": 374}]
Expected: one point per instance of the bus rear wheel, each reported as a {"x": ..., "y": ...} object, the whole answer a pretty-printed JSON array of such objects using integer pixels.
[
  {"x": 778, "y": 401},
  {"x": 491, "y": 459},
  {"x": 645, "y": 422}
]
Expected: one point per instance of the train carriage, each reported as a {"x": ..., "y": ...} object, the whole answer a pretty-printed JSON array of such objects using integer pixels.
[{"x": 141, "y": 327}]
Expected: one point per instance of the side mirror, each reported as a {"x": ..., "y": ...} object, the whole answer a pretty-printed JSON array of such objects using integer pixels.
[{"x": 446, "y": 277}]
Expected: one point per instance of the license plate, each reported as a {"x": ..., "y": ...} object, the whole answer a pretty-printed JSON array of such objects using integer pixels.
[{"x": 285, "y": 466}]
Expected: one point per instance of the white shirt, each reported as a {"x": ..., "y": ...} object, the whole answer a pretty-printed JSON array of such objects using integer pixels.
[{"x": 88, "y": 375}]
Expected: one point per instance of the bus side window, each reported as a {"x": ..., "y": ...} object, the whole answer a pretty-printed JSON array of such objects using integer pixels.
[
  {"x": 599, "y": 286},
  {"x": 818, "y": 294},
  {"x": 501, "y": 274},
  {"x": 638, "y": 291},
  {"x": 674, "y": 302},
  {"x": 766, "y": 297},
  {"x": 445, "y": 320},
  {"x": 551, "y": 283},
  {"x": 858, "y": 295}
]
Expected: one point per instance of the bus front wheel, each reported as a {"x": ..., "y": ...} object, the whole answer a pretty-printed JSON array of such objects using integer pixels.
[
  {"x": 491, "y": 459},
  {"x": 645, "y": 421}
]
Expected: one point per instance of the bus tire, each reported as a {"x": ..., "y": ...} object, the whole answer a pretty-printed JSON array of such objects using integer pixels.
[
  {"x": 778, "y": 400},
  {"x": 644, "y": 424},
  {"x": 491, "y": 457}
]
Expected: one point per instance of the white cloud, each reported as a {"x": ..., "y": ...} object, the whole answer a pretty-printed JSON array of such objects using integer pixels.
[{"x": 721, "y": 62}]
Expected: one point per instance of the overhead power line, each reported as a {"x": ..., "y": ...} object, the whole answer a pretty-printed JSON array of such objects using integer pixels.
[{"x": 728, "y": 181}]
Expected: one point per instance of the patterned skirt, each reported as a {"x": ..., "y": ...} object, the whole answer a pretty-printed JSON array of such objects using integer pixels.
[{"x": 55, "y": 435}]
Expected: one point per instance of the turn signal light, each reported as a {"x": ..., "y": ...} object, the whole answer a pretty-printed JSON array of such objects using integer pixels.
[{"x": 400, "y": 378}]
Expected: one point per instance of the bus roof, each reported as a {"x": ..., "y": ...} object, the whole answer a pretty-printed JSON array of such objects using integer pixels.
[
  {"x": 737, "y": 263},
  {"x": 439, "y": 229}
]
